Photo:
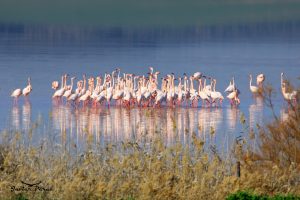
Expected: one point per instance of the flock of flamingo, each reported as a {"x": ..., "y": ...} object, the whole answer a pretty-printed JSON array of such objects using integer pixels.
[{"x": 144, "y": 91}]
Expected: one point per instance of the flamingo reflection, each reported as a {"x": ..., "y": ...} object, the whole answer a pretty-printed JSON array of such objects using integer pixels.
[{"x": 117, "y": 124}]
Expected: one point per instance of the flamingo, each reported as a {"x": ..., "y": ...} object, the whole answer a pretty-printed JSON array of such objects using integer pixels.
[
  {"x": 197, "y": 75},
  {"x": 179, "y": 92},
  {"x": 68, "y": 92},
  {"x": 203, "y": 95},
  {"x": 233, "y": 93},
  {"x": 233, "y": 96},
  {"x": 26, "y": 91},
  {"x": 55, "y": 85},
  {"x": 97, "y": 89},
  {"x": 193, "y": 93},
  {"x": 260, "y": 79},
  {"x": 60, "y": 92},
  {"x": 230, "y": 87},
  {"x": 109, "y": 90},
  {"x": 84, "y": 98},
  {"x": 288, "y": 96},
  {"x": 73, "y": 97},
  {"x": 127, "y": 97},
  {"x": 83, "y": 89},
  {"x": 253, "y": 89},
  {"x": 101, "y": 97},
  {"x": 160, "y": 97},
  {"x": 208, "y": 88},
  {"x": 16, "y": 94},
  {"x": 215, "y": 95}
]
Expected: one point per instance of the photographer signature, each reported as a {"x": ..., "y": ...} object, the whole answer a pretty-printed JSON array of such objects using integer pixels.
[{"x": 30, "y": 187}]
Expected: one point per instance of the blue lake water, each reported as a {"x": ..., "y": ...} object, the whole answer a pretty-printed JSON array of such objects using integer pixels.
[{"x": 45, "y": 58}]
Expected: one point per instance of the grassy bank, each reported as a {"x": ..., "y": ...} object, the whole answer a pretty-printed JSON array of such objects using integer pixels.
[
  {"x": 158, "y": 173},
  {"x": 148, "y": 13}
]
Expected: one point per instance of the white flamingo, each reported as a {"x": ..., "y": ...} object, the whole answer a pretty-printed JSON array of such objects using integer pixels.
[
  {"x": 204, "y": 97},
  {"x": 160, "y": 97},
  {"x": 231, "y": 86},
  {"x": 84, "y": 98},
  {"x": 26, "y": 91},
  {"x": 193, "y": 94},
  {"x": 58, "y": 93},
  {"x": 197, "y": 75},
  {"x": 55, "y": 85},
  {"x": 215, "y": 95},
  {"x": 16, "y": 94},
  {"x": 83, "y": 89},
  {"x": 68, "y": 92},
  {"x": 260, "y": 79},
  {"x": 254, "y": 89},
  {"x": 288, "y": 96},
  {"x": 233, "y": 97},
  {"x": 73, "y": 97}
]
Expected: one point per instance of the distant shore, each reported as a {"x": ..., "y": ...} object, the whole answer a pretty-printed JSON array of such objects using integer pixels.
[
  {"x": 148, "y": 13},
  {"x": 28, "y": 33}
]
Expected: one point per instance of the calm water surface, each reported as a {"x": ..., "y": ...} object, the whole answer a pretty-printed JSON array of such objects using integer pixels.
[{"x": 44, "y": 59}]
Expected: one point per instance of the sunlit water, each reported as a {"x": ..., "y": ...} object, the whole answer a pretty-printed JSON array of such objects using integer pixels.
[{"x": 44, "y": 59}]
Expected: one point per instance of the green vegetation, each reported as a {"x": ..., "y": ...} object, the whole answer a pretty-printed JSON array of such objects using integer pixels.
[
  {"x": 248, "y": 196},
  {"x": 148, "y": 13}
]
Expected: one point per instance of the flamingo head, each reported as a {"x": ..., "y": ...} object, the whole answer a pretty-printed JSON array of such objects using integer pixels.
[{"x": 151, "y": 69}]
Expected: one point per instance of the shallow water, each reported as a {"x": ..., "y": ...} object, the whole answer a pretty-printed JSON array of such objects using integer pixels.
[{"x": 30, "y": 53}]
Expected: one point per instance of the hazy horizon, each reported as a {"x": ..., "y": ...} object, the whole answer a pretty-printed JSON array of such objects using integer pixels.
[{"x": 144, "y": 13}]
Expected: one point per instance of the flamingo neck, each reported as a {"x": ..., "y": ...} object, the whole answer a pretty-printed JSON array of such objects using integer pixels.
[
  {"x": 118, "y": 76},
  {"x": 84, "y": 82},
  {"x": 104, "y": 80},
  {"x": 156, "y": 78},
  {"x": 65, "y": 82},
  {"x": 113, "y": 78},
  {"x": 134, "y": 83},
  {"x": 211, "y": 83},
  {"x": 192, "y": 84},
  {"x": 62, "y": 82},
  {"x": 215, "y": 83},
  {"x": 71, "y": 84}
]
